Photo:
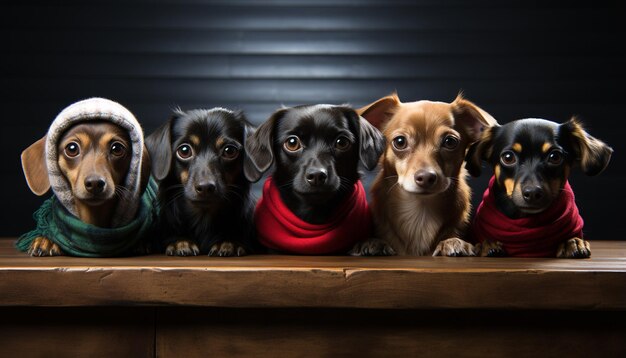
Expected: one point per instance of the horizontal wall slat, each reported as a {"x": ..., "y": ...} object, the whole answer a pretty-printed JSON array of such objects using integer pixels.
[
  {"x": 34, "y": 120},
  {"x": 354, "y": 3},
  {"x": 312, "y": 91},
  {"x": 313, "y": 18},
  {"x": 306, "y": 42},
  {"x": 172, "y": 66}
]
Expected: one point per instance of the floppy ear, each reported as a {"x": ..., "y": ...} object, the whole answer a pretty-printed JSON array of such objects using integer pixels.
[
  {"x": 248, "y": 131},
  {"x": 372, "y": 144},
  {"x": 259, "y": 156},
  {"x": 591, "y": 153},
  {"x": 372, "y": 141},
  {"x": 248, "y": 128},
  {"x": 159, "y": 145},
  {"x": 34, "y": 166},
  {"x": 479, "y": 151},
  {"x": 380, "y": 111},
  {"x": 471, "y": 119},
  {"x": 145, "y": 169}
]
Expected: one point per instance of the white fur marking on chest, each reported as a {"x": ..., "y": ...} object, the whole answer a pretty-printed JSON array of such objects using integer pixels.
[{"x": 416, "y": 226}]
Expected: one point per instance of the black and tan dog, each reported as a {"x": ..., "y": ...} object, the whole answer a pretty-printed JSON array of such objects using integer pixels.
[
  {"x": 529, "y": 208},
  {"x": 205, "y": 199}
]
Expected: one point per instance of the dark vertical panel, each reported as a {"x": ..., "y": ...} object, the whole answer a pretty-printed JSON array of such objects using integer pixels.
[{"x": 516, "y": 59}]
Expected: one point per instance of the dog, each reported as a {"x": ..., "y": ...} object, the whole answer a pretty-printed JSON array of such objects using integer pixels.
[
  {"x": 532, "y": 159},
  {"x": 420, "y": 197},
  {"x": 314, "y": 202},
  {"x": 94, "y": 158},
  {"x": 206, "y": 206}
]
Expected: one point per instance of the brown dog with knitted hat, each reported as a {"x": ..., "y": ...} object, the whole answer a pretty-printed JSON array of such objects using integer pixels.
[{"x": 94, "y": 160}]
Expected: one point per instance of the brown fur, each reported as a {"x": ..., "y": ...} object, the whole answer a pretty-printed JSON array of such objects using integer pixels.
[
  {"x": 411, "y": 220},
  {"x": 94, "y": 159},
  {"x": 574, "y": 248},
  {"x": 95, "y": 141}
]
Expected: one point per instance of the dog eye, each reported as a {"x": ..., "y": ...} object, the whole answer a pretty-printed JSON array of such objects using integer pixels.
[
  {"x": 555, "y": 157},
  {"x": 118, "y": 149},
  {"x": 342, "y": 143},
  {"x": 400, "y": 142},
  {"x": 508, "y": 158},
  {"x": 230, "y": 152},
  {"x": 72, "y": 149},
  {"x": 450, "y": 142},
  {"x": 293, "y": 144},
  {"x": 184, "y": 151}
]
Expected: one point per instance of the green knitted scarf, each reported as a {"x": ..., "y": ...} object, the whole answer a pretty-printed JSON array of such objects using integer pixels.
[{"x": 77, "y": 238}]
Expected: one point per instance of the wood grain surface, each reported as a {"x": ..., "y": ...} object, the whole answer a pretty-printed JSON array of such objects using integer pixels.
[{"x": 319, "y": 281}]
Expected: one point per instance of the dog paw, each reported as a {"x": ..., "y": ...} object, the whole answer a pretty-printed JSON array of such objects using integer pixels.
[
  {"x": 372, "y": 247},
  {"x": 489, "y": 248},
  {"x": 574, "y": 248},
  {"x": 227, "y": 249},
  {"x": 454, "y": 247},
  {"x": 42, "y": 246},
  {"x": 182, "y": 248}
]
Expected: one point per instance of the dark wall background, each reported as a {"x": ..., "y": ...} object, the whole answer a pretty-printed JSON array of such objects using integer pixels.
[{"x": 516, "y": 59}]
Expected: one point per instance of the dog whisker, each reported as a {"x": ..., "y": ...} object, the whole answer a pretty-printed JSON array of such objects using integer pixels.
[
  {"x": 286, "y": 185},
  {"x": 171, "y": 200},
  {"x": 235, "y": 192},
  {"x": 392, "y": 187}
]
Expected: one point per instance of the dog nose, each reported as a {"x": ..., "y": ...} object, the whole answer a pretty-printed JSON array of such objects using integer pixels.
[
  {"x": 95, "y": 184},
  {"x": 205, "y": 187},
  {"x": 532, "y": 194},
  {"x": 425, "y": 178},
  {"x": 316, "y": 176}
]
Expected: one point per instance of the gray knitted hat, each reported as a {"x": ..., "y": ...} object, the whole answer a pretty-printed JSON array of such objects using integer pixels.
[{"x": 97, "y": 109}]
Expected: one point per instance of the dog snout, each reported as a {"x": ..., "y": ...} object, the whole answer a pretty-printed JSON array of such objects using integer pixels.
[
  {"x": 533, "y": 194},
  {"x": 95, "y": 184},
  {"x": 426, "y": 178},
  {"x": 316, "y": 176},
  {"x": 205, "y": 187}
]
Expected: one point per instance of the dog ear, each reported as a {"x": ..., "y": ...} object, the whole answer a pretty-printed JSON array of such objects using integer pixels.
[
  {"x": 248, "y": 128},
  {"x": 34, "y": 166},
  {"x": 259, "y": 154},
  {"x": 145, "y": 169},
  {"x": 591, "y": 153},
  {"x": 479, "y": 151},
  {"x": 471, "y": 119},
  {"x": 159, "y": 145},
  {"x": 248, "y": 131},
  {"x": 372, "y": 144},
  {"x": 372, "y": 141},
  {"x": 379, "y": 112}
]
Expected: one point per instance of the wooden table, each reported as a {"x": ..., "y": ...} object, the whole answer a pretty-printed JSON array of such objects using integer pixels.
[{"x": 313, "y": 305}]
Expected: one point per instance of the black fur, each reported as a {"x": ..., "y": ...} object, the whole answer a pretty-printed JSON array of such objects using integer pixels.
[
  {"x": 538, "y": 177},
  {"x": 315, "y": 178},
  {"x": 213, "y": 207}
]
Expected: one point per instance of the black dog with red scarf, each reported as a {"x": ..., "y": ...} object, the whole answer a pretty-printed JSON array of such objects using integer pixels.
[{"x": 314, "y": 203}]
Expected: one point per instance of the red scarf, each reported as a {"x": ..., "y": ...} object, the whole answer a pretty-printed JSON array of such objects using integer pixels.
[
  {"x": 282, "y": 230},
  {"x": 537, "y": 235}
]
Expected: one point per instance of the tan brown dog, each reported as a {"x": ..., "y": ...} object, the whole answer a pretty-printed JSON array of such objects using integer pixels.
[
  {"x": 420, "y": 198},
  {"x": 94, "y": 158}
]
